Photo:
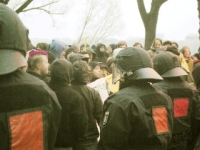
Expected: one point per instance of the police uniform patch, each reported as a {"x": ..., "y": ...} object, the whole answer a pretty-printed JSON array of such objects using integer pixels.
[{"x": 105, "y": 119}]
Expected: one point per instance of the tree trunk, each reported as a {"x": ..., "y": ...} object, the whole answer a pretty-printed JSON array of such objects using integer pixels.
[
  {"x": 199, "y": 16},
  {"x": 150, "y": 20}
]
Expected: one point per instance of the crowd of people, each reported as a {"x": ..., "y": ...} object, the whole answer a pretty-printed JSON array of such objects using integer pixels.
[{"x": 47, "y": 101}]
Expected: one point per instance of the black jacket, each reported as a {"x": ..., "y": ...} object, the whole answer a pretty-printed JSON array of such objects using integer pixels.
[
  {"x": 186, "y": 107},
  {"x": 101, "y": 56},
  {"x": 196, "y": 75},
  {"x": 29, "y": 113},
  {"x": 138, "y": 117},
  {"x": 91, "y": 98},
  {"x": 73, "y": 123}
]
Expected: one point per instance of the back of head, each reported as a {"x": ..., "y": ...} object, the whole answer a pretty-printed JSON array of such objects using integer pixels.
[
  {"x": 61, "y": 72},
  {"x": 136, "y": 64},
  {"x": 168, "y": 65},
  {"x": 35, "y": 57},
  {"x": 75, "y": 57},
  {"x": 13, "y": 41},
  {"x": 81, "y": 72}
]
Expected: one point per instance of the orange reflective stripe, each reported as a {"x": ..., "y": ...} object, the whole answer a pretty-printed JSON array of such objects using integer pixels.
[
  {"x": 181, "y": 107},
  {"x": 159, "y": 115},
  {"x": 27, "y": 131}
]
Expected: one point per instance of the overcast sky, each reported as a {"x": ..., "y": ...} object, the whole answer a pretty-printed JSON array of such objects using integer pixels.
[{"x": 177, "y": 18}]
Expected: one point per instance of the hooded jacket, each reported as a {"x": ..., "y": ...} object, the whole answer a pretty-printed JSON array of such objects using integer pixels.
[
  {"x": 29, "y": 113},
  {"x": 101, "y": 56},
  {"x": 57, "y": 47},
  {"x": 73, "y": 123},
  {"x": 91, "y": 98}
]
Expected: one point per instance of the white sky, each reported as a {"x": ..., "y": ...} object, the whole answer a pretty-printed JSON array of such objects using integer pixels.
[{"x": 177, "y": 18}]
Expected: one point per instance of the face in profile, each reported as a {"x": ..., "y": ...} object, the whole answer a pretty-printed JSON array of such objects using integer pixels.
[{"x": 44, "y": 65}]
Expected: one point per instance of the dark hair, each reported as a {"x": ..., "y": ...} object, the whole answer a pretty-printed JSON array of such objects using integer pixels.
[
  {"x": 93, "y": 64},
  {"x": 173, "y": 49},
  {"x": 137, "y": 43},
  {"x": 167, "y": 42},
  {"x": 113, "y": 46},
  {"x": 43, "y": 46},
  {"x": 175, "y": 44},
  {"x": 197, "y": 56},
  {"x": 69, "y": 50}
]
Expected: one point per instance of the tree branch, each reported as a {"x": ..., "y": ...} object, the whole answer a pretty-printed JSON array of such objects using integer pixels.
[
  {"x": 41, "y": 7},
  {"x": 21, "y": 8},
  {"x": 142, "y": 10}
]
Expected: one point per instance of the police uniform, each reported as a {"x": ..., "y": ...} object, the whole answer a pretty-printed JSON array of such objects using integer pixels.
[
  {"x": 186, "y": 103},
  {"x": 29, "y": 110},
  {"x": 138, "y": 117}
]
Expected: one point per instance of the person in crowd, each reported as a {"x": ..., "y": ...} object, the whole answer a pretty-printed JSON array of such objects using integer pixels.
[
  {"x": 86, "y": 56},
  {"x": 100, "y": 51},
  {"x": 189, "y": 78},
  {"x": 196, "y": 58},
  {"x": 122, "y": 44},
  {"x": 185, "y": 100},
  {"x": 69, "y": 52},
  {"x": 83, "y": 45},
  {"x": 42, "y": 46},
  {"x": 103, "y": 70},
  {"x": 93, "y": 103},
  {"x": 73, "y": 122},
  {"x": 137, "y": 44},
  {"x": 74, "y": 57},
  {"x": 116, "y": 51},
  {"x": 196, "y": 72},
  {"x": 38, "y": 65},
  {"x": 92, "y": 54},
  {"x": 187, "y": 56},
  {"x": 93, "y": 47},
  {"x": 111, "y": 48},
  {"x": 57, "y": 48},
  {"x": 109, "y": 63},
  {"x": 29, "y": 109},
  {"x": 175, "y": 44},
  {"x": 76, "y": 46},
  {"x": 138, "y": 116},
  {"x": 157, "y": 43},
  {"x": 95, "y": 71},
  {"x": 167, "y": 43}
]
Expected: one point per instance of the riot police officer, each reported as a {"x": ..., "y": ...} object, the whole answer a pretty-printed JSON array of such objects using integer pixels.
[
  {"x": 138, "y": 117},
  {"x": 185, "y": 100},
  {"x": 29, "y": 110}
]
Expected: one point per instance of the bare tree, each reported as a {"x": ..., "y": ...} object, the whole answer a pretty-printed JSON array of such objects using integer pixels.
[
  {"x": 100, "y": 21},
  {"x": 150, "y": 19}
]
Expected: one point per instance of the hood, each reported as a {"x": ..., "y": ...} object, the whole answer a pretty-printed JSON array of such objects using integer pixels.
[
  {"x": 81, "y": 72},
  {"x": 57, "y": 47},
  {"x": 75, "y": 57},
  {"x": 97, "y": 50},
  {"x": 61, "y": 72}
]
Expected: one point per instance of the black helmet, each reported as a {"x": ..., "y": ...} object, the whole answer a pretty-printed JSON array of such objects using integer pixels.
[
  {"x": 136, "y": 64},
  {"x": 13, "y": 41},
  {"x": 168, "y": 65}
]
